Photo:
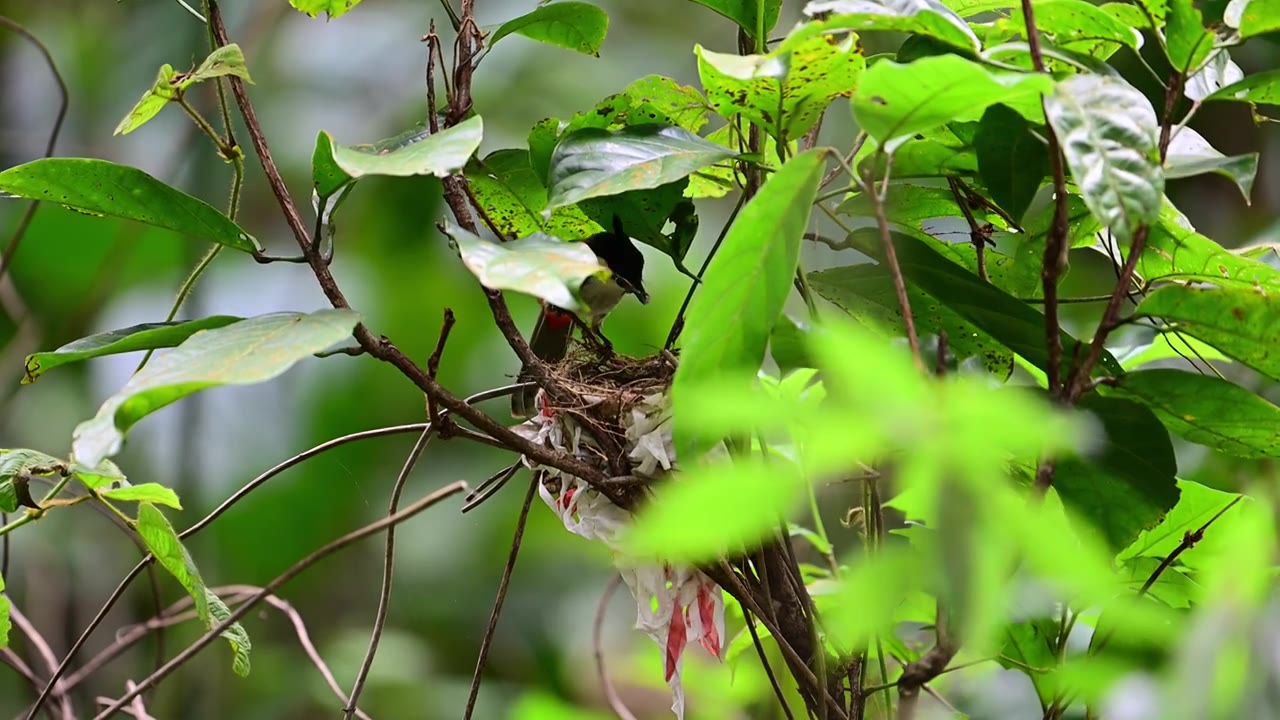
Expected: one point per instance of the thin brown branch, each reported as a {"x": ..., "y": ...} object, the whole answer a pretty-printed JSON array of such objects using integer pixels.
[
  {"x": 474, "y": 693},
  {"x": 433, "y": 369},
  {"x": 768, "y": 670},
  {"x": 891, "y": 261},
  {"x": 388, "y": 559},
  {"x": 271, "y": 587},
  {"x": 43, "y": 651},
  {"x": 976, "y": 236},
  {"x": 930, "y": 665},
  {"x": 1189, "y": 540},
  {"x": 611, "y": 695},
  {"x": 677, "y": 325}
]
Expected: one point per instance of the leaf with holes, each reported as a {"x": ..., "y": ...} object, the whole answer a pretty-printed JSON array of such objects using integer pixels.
[
  {"x": 334, "y": 8},
  {"x": 1175, "y": 251},
  {"x": 415, "y": 152},
  {"x": 574, "y": 25},
  {"x": 681, "y": 105},
  {"x": 1108, "y": 134},
  {"x": 1190, "y": 155},
  {"x": 147, "y": 336},
  {"x": 1012, "y": 161},
  {"x": 744, "y": 288},
  {"x": 746, "y": 13},
  {"x": 1241, "y": 321},
  {"x": 1206, "y": 410},
  {"x": 160, "y": 539},
  {"x": 592, "y": 162},
  {"x": 897, "y": 101},
  {"x": 539, "y": 265},
  {"x": 251, "y": 351},
  {"x": 786, "y": 91},
  {"x": 1130, "y": 485},
  {"x": 929, "y": 18},
  {"x": 98, "y": 187},
  {"x": 1260, "y": 89},
  {"x": 866, "y": 292}
]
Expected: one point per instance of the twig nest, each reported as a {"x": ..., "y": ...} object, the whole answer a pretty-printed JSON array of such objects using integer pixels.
[{"x": 624, "y": 402}]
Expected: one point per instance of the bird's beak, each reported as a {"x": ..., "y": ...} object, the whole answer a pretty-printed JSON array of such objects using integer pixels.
[{"x": 641, "y": 295}]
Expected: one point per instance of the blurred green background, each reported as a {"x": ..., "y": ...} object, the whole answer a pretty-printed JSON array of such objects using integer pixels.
[{"x": 360, "y": 78}]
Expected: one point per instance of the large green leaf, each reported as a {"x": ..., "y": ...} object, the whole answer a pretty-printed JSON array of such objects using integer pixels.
[
  {"x": 681, "y": 105},
  {"x": 1259, "y": 17},
  {"x": 592, "y": 162},
  {"x": 333, "y": 8},
  {"x": 1108, "y": 135},
  {"x": 540, "y": 265},
  {"x": 866, "y": 292},
  {"x": 98, "y": 187},
  {"x": 1241, "y": 321},
  {"x": 894, "y": 101},
  {"x": 712, "y": 510},
  {"x": 415, "y": 152},
  {"x": 1012, "y": 160},
  {"x": 574, "y": 25},
  {"x": 746, "y": 14},
  {"x": 147, "y": 336},
  {"x": 1030, "y": 647},
  {"x": 1190, "y": 154},
  {"x": 786, "y": 91},
  {"x": 1176, "y": 251},
  {"x": 1207, "y": 410},
  {"x": 929, "y": 18},
  {"x": 1076, "y": 25},
  {"x": 159, "y": 537},
  {"x": 1129, "y": 484},
  {"x": 1014, "y": 323},
  {"x": 744, "y": 288},
  {"x": 1187, "y": 42},
  {"x": 251, "y": 351},
  {"x": 1260, "y": 88}
]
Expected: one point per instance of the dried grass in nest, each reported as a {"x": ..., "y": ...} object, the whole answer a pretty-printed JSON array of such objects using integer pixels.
[{"x": 604, "y": 388}]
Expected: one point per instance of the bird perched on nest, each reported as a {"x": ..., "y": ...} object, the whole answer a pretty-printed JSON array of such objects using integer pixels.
[{"x": 550, "y": 339}]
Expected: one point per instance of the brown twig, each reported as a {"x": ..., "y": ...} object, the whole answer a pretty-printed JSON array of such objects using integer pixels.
[
  {"x": 501, "y": 597},
  {"x": 768, "y": 670},
  {"x": 271, "y": 587},
  {"x": 891, "y": 260},
  {"x": 43, "y": 651},
  {"x": 976, "y": 236},
  {"x": 611, "y": 695},
  {"x": 388, "y": 559},
  {"x": 930, "y": 665},
  {"x": 433, "y": 368},
  {"x": 677, "y": 325}
]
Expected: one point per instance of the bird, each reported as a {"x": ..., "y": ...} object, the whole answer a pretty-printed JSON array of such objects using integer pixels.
[{"x": 550, "y": 339}]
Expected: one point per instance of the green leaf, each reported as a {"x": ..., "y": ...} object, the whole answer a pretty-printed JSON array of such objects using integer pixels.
[
  {"x": 1167, "y": 346},
  {"x": 147, "y": 336},
  {"x": 1076, "y": 25},
  {"x": 1012, "y": 161},
  {"x": 1014, "y": 323},
  {"x": 1260, "y": 88},
  {"x": 251, "y": 351},
  {"x": 929, "y": 153},
  {"x": 161, "y": 92},
  {"x": 1207, "y": 410},
  {"x": 513, "y": 197},
  {"x": 158, "y": 535},
  {"x": 1259, "y": 17},
  {"x": 866, "y": 292},
  {"x": 744, "y": 288},
  {"x": 929, "y": 18},
  {"x": 574, "y": 25},
  {"x": 1176, "y": 251},
  {"x": 711, "y": 510},
  {"x": 788, "y": 346},
  {"x": 1187, "y": 42},
  {"x": 414, "y": 152},
  {"x": 644, "y": 214},
  {"x": 592, "y": 162},
  {"x": 326, "y": 175},
  {"x": 1190, "y": 154},
  {"x": 897, "y": 101},
  {"x": 226, "y": 60},
  {"x": 4, "y": 617},
  {"x": 1129, "y": 484},
  {"x": 107, "y": 473},
  {"x": 539, "y": 265},
  {"x": 22, "y": 462},
  {"x": 1241, "y": 321},
  {"x": 744, "y": 13},
  {"x": 1031, "y": 645},
  {"x": 682, "y": 105},
  {"x": 1196, "y": 505},
  {"x": 98, "y": 187},
  {"x": 146, "y": 492},
  {"x": 786, "y": 91},
  {"x": 334, "y": 8},
  {"x": 1108, "y": 135}
]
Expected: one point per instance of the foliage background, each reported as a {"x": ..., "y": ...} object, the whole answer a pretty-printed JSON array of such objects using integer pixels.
[{"x": 361, "y": 79}]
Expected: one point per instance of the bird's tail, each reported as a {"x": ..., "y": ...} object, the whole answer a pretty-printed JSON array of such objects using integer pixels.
[{"x": 549, "y": 343}]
